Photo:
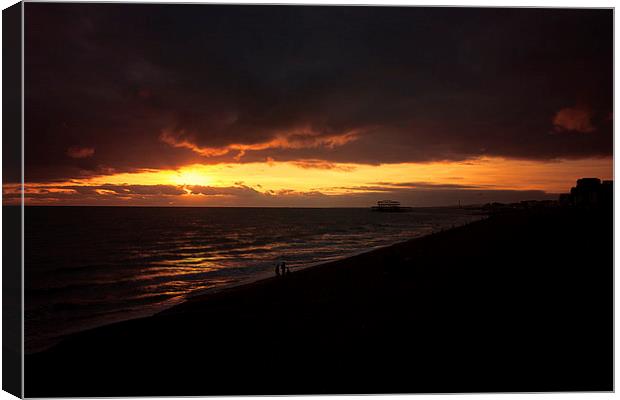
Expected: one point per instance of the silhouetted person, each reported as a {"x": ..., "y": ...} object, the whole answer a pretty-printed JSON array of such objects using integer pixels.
[
  {"x": 283, "y": 266},
  {"x": 278, "y": 264}
]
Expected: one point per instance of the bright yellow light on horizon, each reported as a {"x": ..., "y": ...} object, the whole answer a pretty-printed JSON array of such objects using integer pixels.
[
  {"x": 192, "y": 176},
  {"x": 334, "y": 179}
]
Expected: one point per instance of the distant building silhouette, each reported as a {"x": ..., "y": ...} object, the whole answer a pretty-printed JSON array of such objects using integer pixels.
[
  {"x": 589, "y": 193},
  {"x": 522, "y": 205},
  {"x": 566, "y": 200},
  {"x": 607, "y": 192}
]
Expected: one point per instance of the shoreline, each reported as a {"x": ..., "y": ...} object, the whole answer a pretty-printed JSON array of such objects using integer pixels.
[
  {"x": 180, "y": 300},
  {"x": 268, "y": 277},
  {"x": 514, "y": 302}
]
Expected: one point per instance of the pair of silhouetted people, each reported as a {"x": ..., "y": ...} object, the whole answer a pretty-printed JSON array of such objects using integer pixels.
[{"x": 282, "y": 269}]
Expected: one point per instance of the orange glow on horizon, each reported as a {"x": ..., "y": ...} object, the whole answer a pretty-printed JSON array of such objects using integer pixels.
[
  {"x": 337, "y": 179},
  {"x": 554, "y": 176}
]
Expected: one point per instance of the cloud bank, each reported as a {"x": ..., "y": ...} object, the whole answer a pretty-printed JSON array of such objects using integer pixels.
[{"x": 161, "y": 86}]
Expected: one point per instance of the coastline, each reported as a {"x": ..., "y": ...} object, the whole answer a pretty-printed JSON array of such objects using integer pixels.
[
  {"x": 270, "y": 275},
  {"x": 492, "y": 305},
  {"x": 269, "y": 278},
  {"x": 155, "y": 309}
]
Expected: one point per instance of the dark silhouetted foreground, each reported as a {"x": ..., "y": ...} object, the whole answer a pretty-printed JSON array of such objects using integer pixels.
[{"x": 518, "y": 302}]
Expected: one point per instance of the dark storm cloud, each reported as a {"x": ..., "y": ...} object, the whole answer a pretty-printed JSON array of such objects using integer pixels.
[
  {"x": 153, "y": 86},
  {"x": 80, "y": 152}
]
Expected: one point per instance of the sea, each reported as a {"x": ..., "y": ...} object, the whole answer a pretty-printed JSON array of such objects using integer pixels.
[{"x": 91, "y": 266}]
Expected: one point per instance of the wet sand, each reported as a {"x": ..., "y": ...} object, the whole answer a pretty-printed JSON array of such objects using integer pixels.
[{"x": 517, "y": 302}]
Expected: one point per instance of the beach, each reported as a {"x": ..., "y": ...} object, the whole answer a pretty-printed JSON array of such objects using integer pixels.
[
  {"x": 88, "y": 267},
  {"x": 520, "y": 301}
]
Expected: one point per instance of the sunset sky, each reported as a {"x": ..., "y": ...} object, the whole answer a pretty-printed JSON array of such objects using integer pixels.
[{"x": 211, "y": 105}]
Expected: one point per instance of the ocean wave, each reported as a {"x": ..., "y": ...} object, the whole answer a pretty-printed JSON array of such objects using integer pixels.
[{"x": 81, "y": 276}]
